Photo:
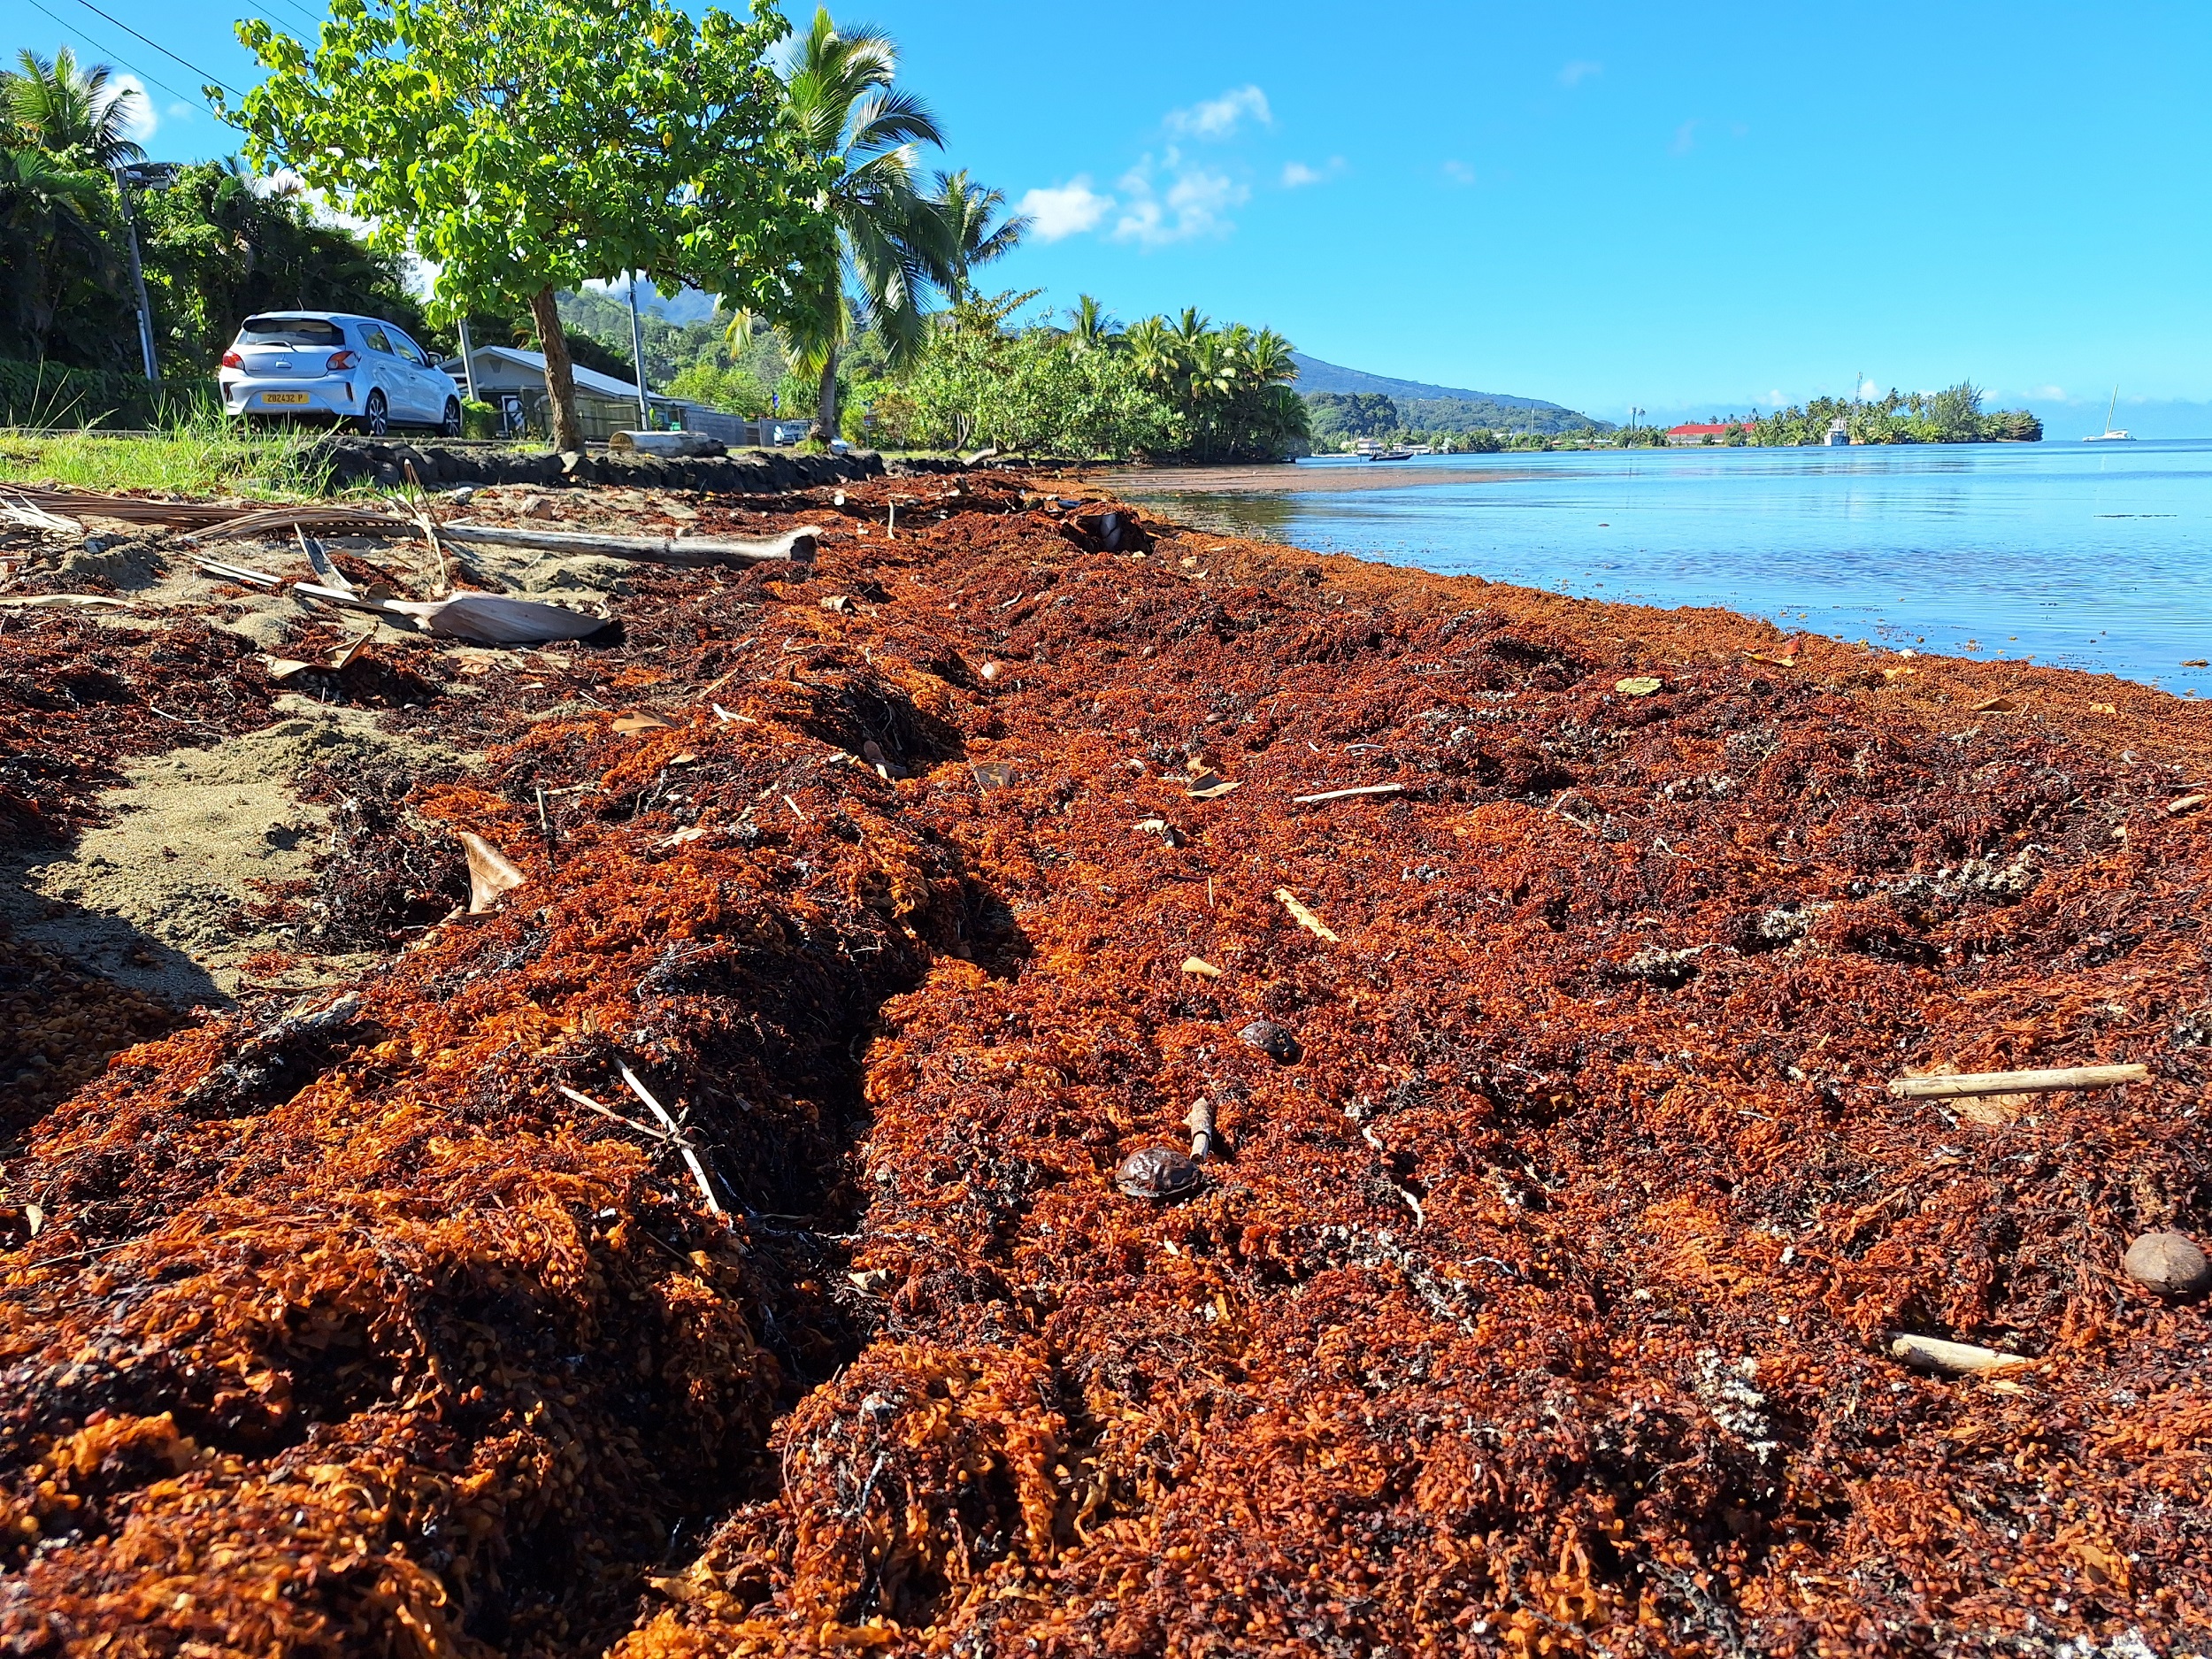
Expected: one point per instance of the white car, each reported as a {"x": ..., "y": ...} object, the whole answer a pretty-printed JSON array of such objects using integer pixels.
[{"x": 331, "y": 365}]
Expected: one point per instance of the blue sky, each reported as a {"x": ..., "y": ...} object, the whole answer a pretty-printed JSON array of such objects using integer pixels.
[{"x": 1692, "y": 207}]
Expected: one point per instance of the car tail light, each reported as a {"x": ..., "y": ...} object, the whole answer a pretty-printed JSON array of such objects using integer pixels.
[
  {"x": 232, "y": 360},
  {"x": 340, "y": 360}
]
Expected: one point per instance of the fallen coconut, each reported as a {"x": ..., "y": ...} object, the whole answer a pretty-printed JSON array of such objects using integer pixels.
[
  {"x": 1158, "y": 1172},
  {"x": 2170, "y": 1263}
]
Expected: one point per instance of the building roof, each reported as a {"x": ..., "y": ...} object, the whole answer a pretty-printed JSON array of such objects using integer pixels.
[
  {"x": 1694, "y": 429},
  {"x": 587, "y": 379}
]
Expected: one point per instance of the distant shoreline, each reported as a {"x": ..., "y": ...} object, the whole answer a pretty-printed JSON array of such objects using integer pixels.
[{"x": 1284, "y": 476}]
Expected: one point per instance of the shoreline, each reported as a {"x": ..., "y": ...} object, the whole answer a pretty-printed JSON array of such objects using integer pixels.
[{"x": 1557, "y": 1218}]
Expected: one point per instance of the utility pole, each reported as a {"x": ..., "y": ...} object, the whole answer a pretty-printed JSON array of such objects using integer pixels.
[
  {"x": 125, "y": 178},
  {"x": 637, "y": 354},
  {"x": 468, "y": 363}
]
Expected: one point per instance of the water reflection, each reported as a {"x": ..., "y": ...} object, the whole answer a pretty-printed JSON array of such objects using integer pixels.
[{"x": 2071, "y": 555}]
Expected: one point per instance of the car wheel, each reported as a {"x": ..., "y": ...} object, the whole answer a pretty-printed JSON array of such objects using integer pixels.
[
  {"x": 450, "y": 426},
  {"x": 376, "y": 417}
]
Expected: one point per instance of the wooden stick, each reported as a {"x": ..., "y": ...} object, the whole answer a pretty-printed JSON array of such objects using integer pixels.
[
  {"x": 794, "y": 546},
  {"x": 585, "y": 1100},
  {"x": 1960, "y": 1359},
  {"x": 1340, "y": 795},
  {"x": 698, "y": 1170},
  {"x": 238, "y": 573},
  {"x": 2016, "y": 1082},
  {"x": 246, "y": 523}
]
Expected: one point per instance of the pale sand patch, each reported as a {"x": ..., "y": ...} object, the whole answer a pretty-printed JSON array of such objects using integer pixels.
[{"x": 152, "y": 897}]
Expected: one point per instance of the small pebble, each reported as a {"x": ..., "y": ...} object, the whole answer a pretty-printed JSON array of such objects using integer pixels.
[
  {"x": 1272, "y": 1040},
  {"x": 2168, "y": 1263},
  {"x": 1157, "y": 1173}
]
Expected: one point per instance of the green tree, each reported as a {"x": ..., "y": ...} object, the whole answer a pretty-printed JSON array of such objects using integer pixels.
[
  {"x": 1231, "y": 385},
  {"x": 1028, "y": 391},
  {"x": 1342, "y": 418},
  {"x": 528, "y": 146},
  {"x": 734, "y": 390},
  {"x": 221, "y": 244},
  {"x": 978, "y": 226},
  {"x": 77, "y": 114},
  {"x": 892, "y": 243},
  {"x": 61, "y": 289}
]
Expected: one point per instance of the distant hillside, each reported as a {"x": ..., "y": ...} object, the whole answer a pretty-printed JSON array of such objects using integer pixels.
[{"x": 1446, "y": 408}]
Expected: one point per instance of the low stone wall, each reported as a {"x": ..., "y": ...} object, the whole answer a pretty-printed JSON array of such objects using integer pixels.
[{"x": 748, "y": 472}]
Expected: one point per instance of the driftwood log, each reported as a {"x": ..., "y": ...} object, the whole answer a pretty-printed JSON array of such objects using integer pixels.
[
  {"x": 795, "y": 545},
  {"x": 1968, "y": 1083}
]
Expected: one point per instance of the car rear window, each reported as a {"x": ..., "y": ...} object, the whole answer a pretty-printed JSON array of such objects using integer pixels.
[{"x": 290, "y": 331}]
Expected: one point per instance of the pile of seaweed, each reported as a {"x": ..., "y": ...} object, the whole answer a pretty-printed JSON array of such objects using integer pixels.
[{"x": 716, "y": 1246}]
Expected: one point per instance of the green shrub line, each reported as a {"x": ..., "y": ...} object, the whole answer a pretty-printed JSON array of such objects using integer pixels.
[{"x": 52, "y": 394}]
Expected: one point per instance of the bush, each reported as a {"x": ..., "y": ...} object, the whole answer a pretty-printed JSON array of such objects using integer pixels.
[
  {"x": 733, "y": 390},
  {"x": 1026, "y": 394},
  {"x": 50, "y": 394}
]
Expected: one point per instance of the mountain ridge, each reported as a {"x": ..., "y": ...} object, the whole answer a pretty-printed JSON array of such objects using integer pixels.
[{"x": 1419, "y": 401}]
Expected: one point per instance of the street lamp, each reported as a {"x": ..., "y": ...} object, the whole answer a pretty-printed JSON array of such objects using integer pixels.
[{"x": 144, "y": 175}]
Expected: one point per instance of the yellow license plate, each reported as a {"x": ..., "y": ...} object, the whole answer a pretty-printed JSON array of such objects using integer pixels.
[{"x": 284, "y": 397}]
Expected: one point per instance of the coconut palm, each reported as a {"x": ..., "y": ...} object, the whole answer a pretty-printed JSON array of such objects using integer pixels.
[
  {"x": 79, "y": 114},
  {"x": 968, "y": 210},
  {"x": 892, "y": 243},
  {"x": 1089, "y": 328}
]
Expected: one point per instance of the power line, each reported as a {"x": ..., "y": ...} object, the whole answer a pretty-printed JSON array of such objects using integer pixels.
[
  {"x": 158, "y": 47},
  {"x": 67, "y": 27},
  {"x": 316, "y": 21}
]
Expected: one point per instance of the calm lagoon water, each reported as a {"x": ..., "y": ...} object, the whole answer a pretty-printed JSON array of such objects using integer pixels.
[{"x": 2083, "y": 556}]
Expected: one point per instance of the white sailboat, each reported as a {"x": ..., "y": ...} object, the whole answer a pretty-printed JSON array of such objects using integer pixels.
[{"x": 2111, "y": 433}]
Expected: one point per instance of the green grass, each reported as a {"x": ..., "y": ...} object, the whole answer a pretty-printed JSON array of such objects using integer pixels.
[{"x": 205, "y": 453}]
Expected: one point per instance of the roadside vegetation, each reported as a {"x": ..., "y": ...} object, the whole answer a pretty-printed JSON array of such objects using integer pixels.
[
  {"x": 198, "y": 453},
  {"x": 787, "y": 176}
]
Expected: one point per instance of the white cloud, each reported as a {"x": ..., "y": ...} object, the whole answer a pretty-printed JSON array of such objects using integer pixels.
[
  {"x": 1580, "y": 71},
  {"x": 2057, "y": 392},
  {"x": 1775, "y": 397},
  {"x": 137, "y": 109},
  {"x": 1066, "y": 208},
  {"x": 1217, "y": 118},
  {"x": 1296, "y": 174},
  {"x": 1868, "y": 389},
  {"x": 1459, "y": 172},
  {"x": 179, "y": 111},
  {"x": 1685, "y": 139},
  {"x": 1195, "y": 204}
]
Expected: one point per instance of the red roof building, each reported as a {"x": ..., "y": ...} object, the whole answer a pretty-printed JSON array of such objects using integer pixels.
[{"x": 1698, "y": 432}]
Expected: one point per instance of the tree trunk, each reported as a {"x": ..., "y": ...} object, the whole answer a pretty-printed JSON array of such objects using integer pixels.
[
  {"x": 825, "y": 411},
  {"x": 560, "y": 372}
]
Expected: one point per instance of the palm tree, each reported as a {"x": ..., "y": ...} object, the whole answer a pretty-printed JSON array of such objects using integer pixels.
[
  {"x": 968, "y": 209},
  {"x": 1152, "y": 351},
  {"x": 891, "y": 243},
  {"x": 1268, "y": 359},
  {"x": 1090, "y": 329},
  {"x": 76, "y": 113}
]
